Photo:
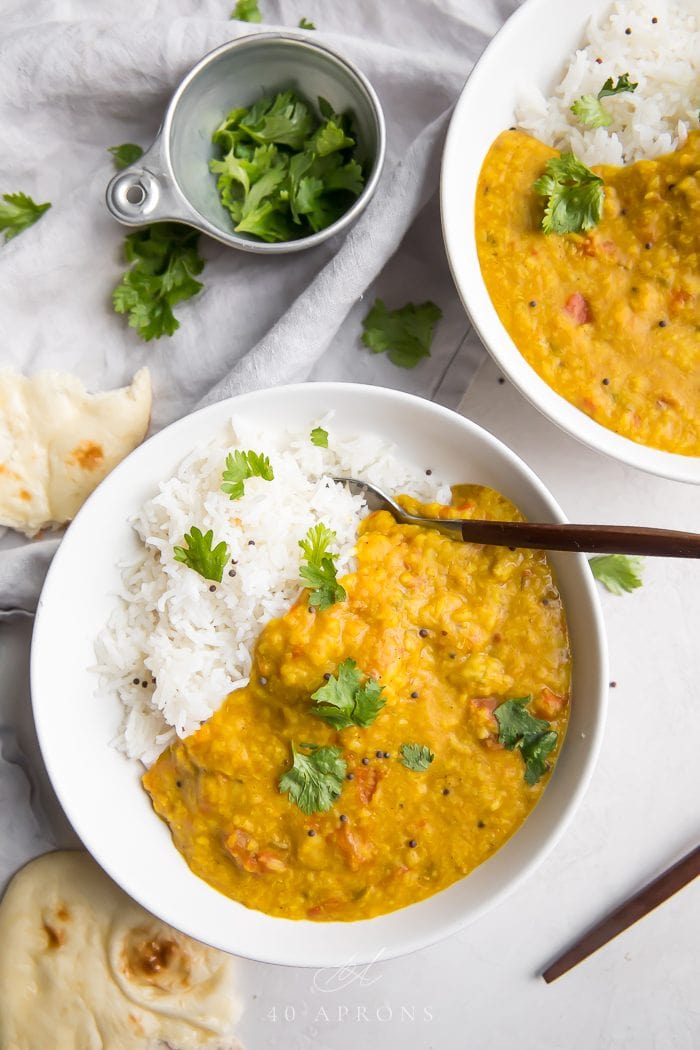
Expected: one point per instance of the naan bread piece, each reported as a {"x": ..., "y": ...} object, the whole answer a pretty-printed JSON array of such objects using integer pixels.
[
  {"x": 83, "y": 967},
  {"x": 57, "y": 442}
]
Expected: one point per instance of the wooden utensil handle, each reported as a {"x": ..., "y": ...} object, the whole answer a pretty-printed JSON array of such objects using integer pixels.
[{"x": 592, "y": 539}]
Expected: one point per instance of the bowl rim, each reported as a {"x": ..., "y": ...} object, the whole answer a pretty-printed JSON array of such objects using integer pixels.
[
  {"x": 486, "y": 323},
  {"x": 41, "y": 684},
  {"x": 159, "y": 152}
]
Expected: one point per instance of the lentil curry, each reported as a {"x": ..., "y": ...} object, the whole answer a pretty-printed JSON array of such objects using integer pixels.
[
  {"x": 450, "y": 630},
  {"x": 610, "y": 318}
]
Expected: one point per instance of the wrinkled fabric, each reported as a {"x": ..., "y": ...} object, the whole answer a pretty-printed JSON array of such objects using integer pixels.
[{"x": 80, "y": 76}]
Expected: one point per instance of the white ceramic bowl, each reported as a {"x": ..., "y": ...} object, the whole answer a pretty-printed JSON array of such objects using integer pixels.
[
  {"x": 531, "y": 48},
  {"x": 100, "y": 789}
]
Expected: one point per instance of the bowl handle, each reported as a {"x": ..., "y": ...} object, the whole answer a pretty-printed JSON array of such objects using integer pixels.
[{"x": 145, "y": 193}]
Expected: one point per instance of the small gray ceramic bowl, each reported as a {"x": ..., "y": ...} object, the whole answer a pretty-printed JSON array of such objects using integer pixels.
[{"x": 172, "y": 181}]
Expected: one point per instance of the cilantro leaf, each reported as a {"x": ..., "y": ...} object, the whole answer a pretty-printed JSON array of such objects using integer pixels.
[
  {"x": 243, "y": 465},
  {"x": 126, "y": 154},
  {"x": 406, "y": 334},
  {"x": 591, "y": 112},
  {"x": 247, "y": 11},
  {"x": 19, "y": 212},
  {"x": 163, "y": 259},
  {"x": 346, "y": 701},
  {"x": 283, "y": 172},
  {"x": 517, "y": 728},
  {"x": 617, "y": 572},
  {"x": 315, "y": 780},
  {"x": 416, "y": 757},
  {"x": 320, "y": 574},
  {"x": 322, "y": 581},
  {"x": 304, "y": 23},
  {"x": 574, "y": 195},
  {"x": 623, "y": 84},
  {"x": 199, "y": 554},
  {"x": 589, "y": 108},
  {"x": 319, "y": 437}
]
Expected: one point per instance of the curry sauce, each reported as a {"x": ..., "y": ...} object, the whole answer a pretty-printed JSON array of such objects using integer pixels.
[
  {"x": 449, "y": 629},
  {"x": 609, "y": 318}
]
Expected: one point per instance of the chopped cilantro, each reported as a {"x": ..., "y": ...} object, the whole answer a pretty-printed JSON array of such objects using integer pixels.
[
  {"x": 126, "y": 154},
  {"x": 517, "y": 728},
  {"x": 406, "y": 334},
  {"x": 163, "y": 260},
  {"x": 19, "y": 212},
  {"x": 199, "y": 554},
  {"x": 574, "y": 195},
  {"x": 315, "y": 780},
  {"x": 617, "y": 572},
  {"x": 284, "y": 172},
  {"x": 319, "y": 437},
  {"x": 320, "y": 574},
  {"x": 243, "y": 465},
  {"x": 416, "y": 757},
  {"x": 589, "y": 108},
  {"x": 304, "y": 23},
  {"x": 247, "y": 11},
  {"x": 348, "y": 701}
]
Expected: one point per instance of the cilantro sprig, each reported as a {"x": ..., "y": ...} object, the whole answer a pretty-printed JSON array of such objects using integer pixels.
[
  {"x": 126, "y": 154},
  {"x": 534, "y": 738},
  {"x": 243, "y": 465},
  {"x": 320, "y": 573},
  {"x": 201, "y": 555},
  {"x": 345, "y": 700},
  {"x": 319, "y": 437},
  {"x": 574, "y": 195},
  {"x": 406, "y": 334},
  {"x": 589, "y": 109},
  {"x": 304, "y": 23},
  {"x": 416, "y": 757},
  {"x": 18, "y": 212},
  {"x": 247, "y": 11},
  {"x": 164, "y": 260},
  {"x": 284, "y": 171},
  {"x": 315, "y": 779},
  {"x": 619, "y": 573}
]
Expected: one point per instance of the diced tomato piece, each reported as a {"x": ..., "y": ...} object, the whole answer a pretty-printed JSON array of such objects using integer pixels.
[
  {"x": 243, "y": 849},
  {"x": 548, "y": 704},
  {"x": 368, "y": 779},
  {"x": 578, "y": 309},
  {"x": 354, "y": 845}
]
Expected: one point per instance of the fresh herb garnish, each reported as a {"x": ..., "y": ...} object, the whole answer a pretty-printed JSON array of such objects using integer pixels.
[
  {"x": 163, "y": 260},
  {"x": 18, "y": 212},
  {"x": 405, "y": 334},
  {"x": 348, "y": 701},
  {"x": 416, "y": 757},
  {"x": 304, "y": 23},
  {"x": 201, "y": 556},
  {"x": 319, "y": 437},
  {"x": 532, "y": 736},
  {"x": 589, "y": 109},
  {"x": 126, "y": 154},
  {"x": 243, "y": 465},
  {"x": 617, "y": 572},
  {"x": 315, "y": 780},
  {"x": 320, "y": 574},
  {"x": 247, "y": 11},
  {"x": 284, "y": 172},
  {"x": 574, "y": 195}
]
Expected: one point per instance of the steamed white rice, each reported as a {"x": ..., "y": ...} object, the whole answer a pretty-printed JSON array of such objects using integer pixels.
[
  {"x": 663, "y": 57},
  {"x": 191, "y": 645}
]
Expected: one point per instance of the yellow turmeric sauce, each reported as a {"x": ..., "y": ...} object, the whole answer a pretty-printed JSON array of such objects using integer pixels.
[
  {"x": 609, "y": 318},
  {"x": 450, "y": 630}
]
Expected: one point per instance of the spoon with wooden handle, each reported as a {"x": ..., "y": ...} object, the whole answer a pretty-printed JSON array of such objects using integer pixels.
[{"x": 592, "y": 539}]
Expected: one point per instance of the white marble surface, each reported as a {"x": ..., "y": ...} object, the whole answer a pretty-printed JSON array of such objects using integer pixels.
[{"x": 481, "y": 989}]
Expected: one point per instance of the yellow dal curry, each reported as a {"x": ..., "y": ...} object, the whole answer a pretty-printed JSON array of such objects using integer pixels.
[
  {"x": 609, "y": 318},
  {"x": 449, "y": 629}
]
